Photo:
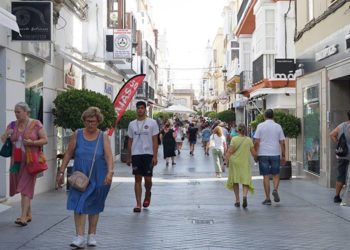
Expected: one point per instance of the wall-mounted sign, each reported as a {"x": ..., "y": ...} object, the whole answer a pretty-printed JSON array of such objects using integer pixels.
[
  {"x": 109, "y": 90},
  {"x": 122, "y": 44},
  {"x": 326, "y": 52},
  {"x": 72, "y": 76},
  {"x": 34, "y": 19},
  {"x": 284, "y": 68}
]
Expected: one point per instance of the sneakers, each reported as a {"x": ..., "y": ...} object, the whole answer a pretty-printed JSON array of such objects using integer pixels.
[
  {"x": 78, "y": 242},
  {"x": 337, "y": 199},
  {"x": 266, "y": 202},
  {"x": 91, "y": 240},
  {"x": 275, "y": 195}
]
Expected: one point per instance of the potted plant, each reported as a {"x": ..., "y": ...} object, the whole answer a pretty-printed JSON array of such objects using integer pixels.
[
  {"x": 69, "y": 106},
  {"x": 291, "y": 127},
  {"x": 128, "y": 116},
  {"x": 227, "y": 116}
]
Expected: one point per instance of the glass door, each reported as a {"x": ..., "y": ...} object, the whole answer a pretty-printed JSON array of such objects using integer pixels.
[{"x": 311, "y": 128}]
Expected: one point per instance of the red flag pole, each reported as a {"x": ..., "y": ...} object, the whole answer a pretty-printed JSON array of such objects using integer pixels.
[{"x": 124, "y": 97}]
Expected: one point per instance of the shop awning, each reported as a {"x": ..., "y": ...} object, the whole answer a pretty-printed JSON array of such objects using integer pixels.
[
  {"x": 270, "y": 91},
  {"x": 91, "y": 68},
  {"x": 8, "y": 20}
]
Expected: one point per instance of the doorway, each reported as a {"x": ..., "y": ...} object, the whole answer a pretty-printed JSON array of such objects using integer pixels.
[{"x": 339, "y": 92}]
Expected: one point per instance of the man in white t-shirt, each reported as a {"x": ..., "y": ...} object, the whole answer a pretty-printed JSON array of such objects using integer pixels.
[
  {"x": 142, "y": 152},
  {"x": 269, "y": 144}
]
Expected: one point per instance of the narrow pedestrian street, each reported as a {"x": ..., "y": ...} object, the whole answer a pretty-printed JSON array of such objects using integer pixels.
[{"x": 190, "y": 209}]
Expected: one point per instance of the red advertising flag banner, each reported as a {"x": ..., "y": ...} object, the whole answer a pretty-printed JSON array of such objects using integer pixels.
[{"x": 124, "y": 97}]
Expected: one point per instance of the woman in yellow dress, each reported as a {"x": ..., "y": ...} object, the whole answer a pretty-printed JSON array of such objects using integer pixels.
[{"x": 238, "y": 157}]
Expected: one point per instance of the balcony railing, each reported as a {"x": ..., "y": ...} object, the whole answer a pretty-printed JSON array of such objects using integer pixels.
[
  {"x": 264, "y": 68},
  {"x": 148, "y": 52},
  {"x": 242, "y": 9}
]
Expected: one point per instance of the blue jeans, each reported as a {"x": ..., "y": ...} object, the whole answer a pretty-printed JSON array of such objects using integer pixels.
[{"x": 269, "y": 165}]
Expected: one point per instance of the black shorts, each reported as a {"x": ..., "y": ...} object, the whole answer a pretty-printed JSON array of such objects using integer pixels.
[
  {"x": 342, "y": 170},
  {"x": 142, "y": 165}
]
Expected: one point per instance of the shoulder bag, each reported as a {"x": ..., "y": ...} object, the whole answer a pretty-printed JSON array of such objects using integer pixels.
[
  {"x": 78, "y": 179},
  {"x": 342, "y": 146}
]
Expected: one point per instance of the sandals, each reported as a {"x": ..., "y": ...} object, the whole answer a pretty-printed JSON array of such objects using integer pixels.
[
  {"x": 147, "y": 200},
  {"x": 29, "y": 219},
  {"x": 21, "y": 223},
  {"x": 137, "y": 210},
  {"x": 237, "y": 204}
]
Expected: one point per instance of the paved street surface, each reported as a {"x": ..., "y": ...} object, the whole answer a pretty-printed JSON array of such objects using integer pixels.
[{"x": 190, "y": 209}]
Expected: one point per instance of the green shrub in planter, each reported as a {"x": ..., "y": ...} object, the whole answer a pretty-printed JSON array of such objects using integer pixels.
[
  {"x": 70, "y": 105},
  {"x": 165, "y": 115},
  {"x": 210, "y": 114},
  {"x": 290, "y": 124},
  {"x": 227, "y": 116},
  {"x": 128, "y": 116}
]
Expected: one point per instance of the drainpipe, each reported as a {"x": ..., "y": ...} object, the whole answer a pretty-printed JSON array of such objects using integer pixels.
[{"x": 285, "y": 29}]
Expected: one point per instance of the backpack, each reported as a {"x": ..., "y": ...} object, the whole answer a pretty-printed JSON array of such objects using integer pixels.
[{"x": 342, "y": 146}]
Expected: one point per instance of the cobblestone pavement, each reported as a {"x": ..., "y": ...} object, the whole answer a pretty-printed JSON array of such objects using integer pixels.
[{"x": 190, "y": 209}]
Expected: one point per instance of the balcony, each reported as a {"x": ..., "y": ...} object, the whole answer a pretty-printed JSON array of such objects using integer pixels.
[
  {"x": 245, "y": 80},
  {"x": 148, "y": 52},
  {"x": 263, "y": 68},
  {"x": 145, "y": 92}
]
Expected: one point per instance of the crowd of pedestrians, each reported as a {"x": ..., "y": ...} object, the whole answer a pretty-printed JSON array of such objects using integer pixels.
[{"x": 230, "y": 146}]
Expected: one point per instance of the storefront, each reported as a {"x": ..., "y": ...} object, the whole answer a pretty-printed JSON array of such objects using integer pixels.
[{"x": 323, "y": 93}]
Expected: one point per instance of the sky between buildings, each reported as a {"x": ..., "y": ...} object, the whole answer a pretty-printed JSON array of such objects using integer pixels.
[{"x": 189, "y": 25}]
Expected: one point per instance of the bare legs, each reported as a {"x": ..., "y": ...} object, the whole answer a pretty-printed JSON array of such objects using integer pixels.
[
  {"x": 80, "y": 219},
  {"x": 275, "y": 180},
  {"x": 138, "y": 188},
  {"x": 236, "y": 191},
  {"x": 26, "y": 210}
]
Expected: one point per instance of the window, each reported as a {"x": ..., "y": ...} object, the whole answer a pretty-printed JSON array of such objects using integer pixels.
[
  {"x": 310, "y": 8},
  {"x": 112, "y": 16},
  {"x": 270, "y": 29}
]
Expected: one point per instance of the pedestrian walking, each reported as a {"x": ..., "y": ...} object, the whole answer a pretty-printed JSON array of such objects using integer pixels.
[
  {"x": 238, "y": 158},
  {"x": 142, "y": 153},
  {"x": 206, "y": 133},
  {"x": 167, "y": 136},
  {"x": 180, "y": 136},
  {"x": 218, "y": 145},
  {"x": 192, "y": 137},
  {"x": 91, "y": 150},
  {"x": 27, "y": 137},
  {"x": 270, "y": 146},
  {"x": 343, "y": 161}
]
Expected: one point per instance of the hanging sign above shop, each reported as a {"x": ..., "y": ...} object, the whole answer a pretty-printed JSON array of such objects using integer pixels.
[
  {"x": 122, "y": 43},
  {"x": 34, "y": 19},
  {"x": 284, "y": 68},
  {"x": 326, "y": 52}
]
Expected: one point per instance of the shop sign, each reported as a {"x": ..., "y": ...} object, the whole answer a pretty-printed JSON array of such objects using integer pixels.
[
  {"x": 109, "y": 90},
  {"x": 34, "y": 19},
  {"x": 284, "y": 68},
  {"x": 326, "y": 52},
  {"x": 72, "y": 76}
]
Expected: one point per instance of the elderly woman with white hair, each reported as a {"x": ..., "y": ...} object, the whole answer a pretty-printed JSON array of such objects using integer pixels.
[
  {"x": 27, "y": 136},
  {"x": 238, "y": 157}
]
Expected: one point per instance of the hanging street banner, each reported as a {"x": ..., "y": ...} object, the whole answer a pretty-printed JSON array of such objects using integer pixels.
[{"x": 124, "y": 97}]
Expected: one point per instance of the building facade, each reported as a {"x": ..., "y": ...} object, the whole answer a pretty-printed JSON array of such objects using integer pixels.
[{"x": 322, "y": 43}]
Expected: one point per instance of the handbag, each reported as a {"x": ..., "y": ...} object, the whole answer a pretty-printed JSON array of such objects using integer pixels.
[
  {"x": 6, "y": 149},
  {"x": 36, "y": 162},
  {"x": 78, "y": 179},
  {"x": 342, "y": 146}
]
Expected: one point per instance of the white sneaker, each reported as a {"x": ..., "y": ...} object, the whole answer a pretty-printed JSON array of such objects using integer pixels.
[
  {"x": 91, "y": 240},
  {"x": 78, "y": 242}
]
